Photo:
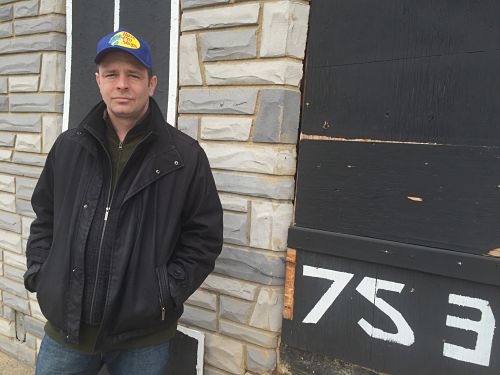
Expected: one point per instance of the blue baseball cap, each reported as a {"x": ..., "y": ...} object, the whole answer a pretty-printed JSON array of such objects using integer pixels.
[{"x": 123, "y": 40}]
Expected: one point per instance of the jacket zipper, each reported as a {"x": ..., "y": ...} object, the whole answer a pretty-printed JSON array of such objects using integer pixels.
[
  {"x": 162, "y": 304},
  {"x": 106, "y": 214}
]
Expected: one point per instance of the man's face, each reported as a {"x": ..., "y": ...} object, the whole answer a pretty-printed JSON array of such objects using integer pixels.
[{"x": 124, "y": 85}]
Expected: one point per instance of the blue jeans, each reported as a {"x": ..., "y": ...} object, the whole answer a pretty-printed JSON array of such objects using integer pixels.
[{"x": 56, "y": 359}]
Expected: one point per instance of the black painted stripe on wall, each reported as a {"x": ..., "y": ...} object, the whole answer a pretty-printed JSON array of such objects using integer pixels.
[
  {"x": 92, "y": 19},
  {"x": 151, "y": 20}
]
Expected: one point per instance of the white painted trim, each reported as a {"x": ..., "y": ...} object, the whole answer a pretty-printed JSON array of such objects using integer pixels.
[
  {"x": 173, "y": 63},
  {"x": 67, "y": 77},
  {"x": 117, "y": 15},
  {"x": 200, "y": 337}
]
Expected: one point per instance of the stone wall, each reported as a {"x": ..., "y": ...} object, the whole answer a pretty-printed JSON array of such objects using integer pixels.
[
  {"x": 240, "y": 69},
  {"x": 32, "y": 44}
]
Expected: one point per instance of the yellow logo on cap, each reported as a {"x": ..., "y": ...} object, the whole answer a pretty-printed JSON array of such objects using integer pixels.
[{"x": 124, "y": 39}]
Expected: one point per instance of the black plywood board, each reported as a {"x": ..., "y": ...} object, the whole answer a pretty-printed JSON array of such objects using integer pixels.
[
  {"x": 439, "y": 196},
  {"x": 92, "y": 19},
  {"x": 423, "y": 303},
  {"x": 423, "y": 71},
  {"x": 151, "y": 20}
]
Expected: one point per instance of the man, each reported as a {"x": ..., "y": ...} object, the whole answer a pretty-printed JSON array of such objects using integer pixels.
[{"x": 128, "y": 225}]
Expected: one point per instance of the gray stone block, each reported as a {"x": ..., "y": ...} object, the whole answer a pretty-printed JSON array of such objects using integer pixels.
[
  {"x": 36, "y": 102},
  {"x": 29, "y": 158},
  {"x": 275, "y": 187},
  {"x": 41, "y": 24},
  {"x": 277, "y": 120},
  {"x": 15, "y": 302},
  {"x": 7, "y": 139},
  {"x": 247, "y": 264},
  {"x": 236, "y": 228},
  {"x": 24, "y": 187},
  {"x": 20, "y": 170},
  {"x": 21, "y": 123},
  {"x": 224, "y": 353},
  {"x": 26, "y": 8},
  {"x": 228, "y": 45},
  {"x": 248, "y": 334},
  {"x": 6, "y": 13},
  {"x": 4, "y": 103},
  {"x": 9, "y": 313},
  {"x": 34, "y": 326},
  {"x": 199, "y": 317},
  {"x": 24, "y": 208},
  {"x": 5, "y": 29},
  {"x": 15, "y": 288},
  {"x": 20, "y": 63},
  {"x": 18, "y": 350},
  {"x": 231, "y": 287},
  {"x": 44, "y": 42},
  {"x": 185, "y": 4},
  {"x": 10, "y": 222},
  {"x": 188, "y": 125},
  {"x": 3, "y": 85},
  {"x": 235, "y": 309},
  {"x": 260, "y": 360},
  {"x": 229, "y": 101},
  {"x": 13, "y": 273},
  {"x": 203, "y": 299}
]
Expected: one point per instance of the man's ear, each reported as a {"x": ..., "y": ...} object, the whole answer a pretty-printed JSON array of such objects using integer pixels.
[
  {"x": 152, "y": 85},
  {"x": 97, "y": 79}
]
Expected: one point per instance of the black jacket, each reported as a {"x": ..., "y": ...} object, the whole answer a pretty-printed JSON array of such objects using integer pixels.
[{"x": 168, "y": 229}]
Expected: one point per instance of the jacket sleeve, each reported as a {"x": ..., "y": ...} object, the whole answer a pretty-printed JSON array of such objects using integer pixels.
[
  {"x": 40, "y": 238},
  {"x": 202, "y": 234}
]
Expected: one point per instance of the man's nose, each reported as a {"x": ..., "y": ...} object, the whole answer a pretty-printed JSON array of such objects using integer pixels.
[{"x": 122, "y": 82}]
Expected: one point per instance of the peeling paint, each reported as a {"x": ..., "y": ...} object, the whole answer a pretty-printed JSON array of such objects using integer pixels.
[
  {"x": 415, "y": 199},
  {"x": 494, "y": 253}
]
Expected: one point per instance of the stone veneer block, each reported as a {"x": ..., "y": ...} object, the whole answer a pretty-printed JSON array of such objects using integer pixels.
[
  {"x": 3, "y": 85},
  {"x": 270, "y": 223},
  {"x": 20, "y": 123},
  {"x": 25, "y": 187},
  {"x": 208, "y": 370},
  {"x": 13, "y": 273},
  {"x": 10, "y": 222},
  {"x": 10, "y": 241},
  {"x": 51, "y": 128},
  {"x": 203, "y": 299},
  {"x": 4, "y": 103},
  {"x": 228, "y": 45},
  {"x": 251, "y": 265},
  {"x": 226, "y": 128},
  {"x": 235, "y": 309},
  {"x": 236, "y": 228},
  {"x": 188, "y": 125},
  {"x": 268, "y": 159},
  {"x": 185, "y": 4},
  {"x": 5, "y": 155},
  {"x": 7, "y": 184},
  {"x": 222, "y": 101},
  {"x": 17, "y": 349},
  {"x": 29, "y": 43},
  {"x": 274, "y": 187},
  {"x": 277, "y": 72},
  {"x": 5, "y": 29},
  {"x": 231, "y": 287},
  {"x": 234, "y": 15},
  {"x": 284, "y": 29},
  {"x": 278, "y": 116},
  {"x": 23, "y": 207},
  {"x": 52, "y": 6},
  {"x": 6, "y": 13},
  {"x": 233, "y": 203},
  {"x": 15, "y": 260},
  {"x": 199, "y": 317},
  {"x": 224, "y": 353},
  {"x": 42, "y": 24},
  {"x": 260, "y": 361},
  {"x": 26, "y": 8},
  {"x": 20, "y": 170},
  {"x": 29, "y": 142},
  {"x": 20, "y": 63},
  {"x": 23, "y": 84},
  {"x": 15, "y": 302},
  {"x": 268, "y": 312},
  {"x": 36, "y": 102},
  {"x": 248, "y": 334},
  {"x": 7, "y": 328},
  {"x": 15, "y": 288},
  {"x": 25, "y": 226},
  {"x": 29, "y": 158},
  {"x": 7, "y": 203},
  {"x": 189, "y": 66},
  {"x": 53, "y": 70},
  {"x": 35, "y": 310},
  {"x": 7, "y": 139}
]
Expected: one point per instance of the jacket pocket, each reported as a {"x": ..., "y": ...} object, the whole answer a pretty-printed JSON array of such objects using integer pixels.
[{"x": 163, "y": 290}]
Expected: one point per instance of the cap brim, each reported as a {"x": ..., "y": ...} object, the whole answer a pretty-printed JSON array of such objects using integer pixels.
[{"x": 109, "y": 49}]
